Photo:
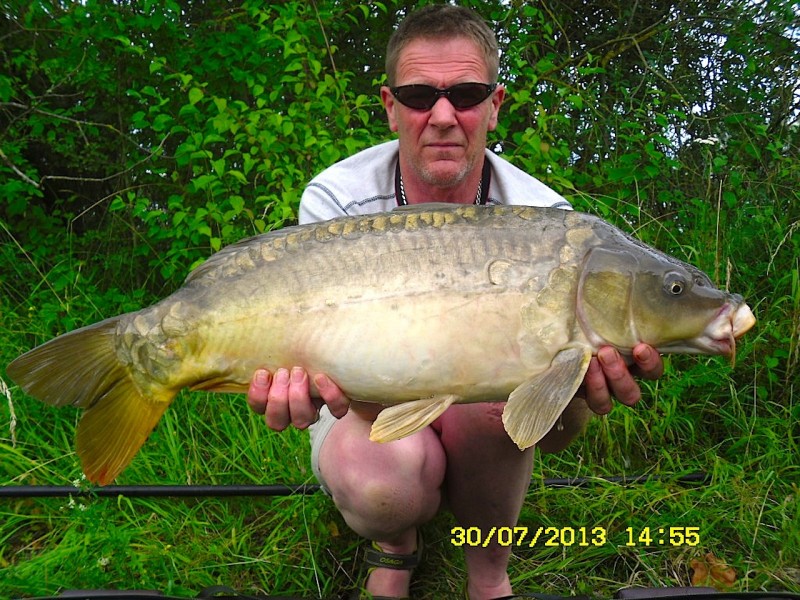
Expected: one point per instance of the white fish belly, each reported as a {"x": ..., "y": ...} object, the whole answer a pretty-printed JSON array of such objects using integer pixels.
[{"x": 407, "y": 348}]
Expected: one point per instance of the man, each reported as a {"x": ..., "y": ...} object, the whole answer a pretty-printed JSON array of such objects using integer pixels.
[{"x": 442, "y": 65}]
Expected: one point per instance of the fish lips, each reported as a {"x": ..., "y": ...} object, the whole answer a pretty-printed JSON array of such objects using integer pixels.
[{"x": 731, "y": 322}]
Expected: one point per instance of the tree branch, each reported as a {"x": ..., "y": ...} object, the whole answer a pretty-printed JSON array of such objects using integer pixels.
[{"x": 19, "y": 173}]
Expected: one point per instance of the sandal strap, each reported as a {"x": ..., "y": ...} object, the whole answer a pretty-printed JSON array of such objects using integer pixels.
[{"x": 375, "y": 557}]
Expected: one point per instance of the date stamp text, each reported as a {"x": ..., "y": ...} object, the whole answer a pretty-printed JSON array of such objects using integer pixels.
[{"x": 530, "y": 537}]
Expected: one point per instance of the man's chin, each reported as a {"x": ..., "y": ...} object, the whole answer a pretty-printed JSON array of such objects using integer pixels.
[{"x": 445, "y": 173}]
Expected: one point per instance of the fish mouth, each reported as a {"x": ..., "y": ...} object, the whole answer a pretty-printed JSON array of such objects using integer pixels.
[{"x": 731, "y": 323}]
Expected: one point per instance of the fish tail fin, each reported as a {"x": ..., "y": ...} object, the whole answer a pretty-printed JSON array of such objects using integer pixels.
[
  {"x": 113, "y": 430},
  {"x": 81, "y": 368}
]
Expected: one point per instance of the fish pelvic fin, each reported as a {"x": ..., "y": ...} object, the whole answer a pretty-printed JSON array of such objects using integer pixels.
[
  {"x": 534, "y": 407},
  {"x": 81, "y": 369},
  {"x": 401, "y": 420}
]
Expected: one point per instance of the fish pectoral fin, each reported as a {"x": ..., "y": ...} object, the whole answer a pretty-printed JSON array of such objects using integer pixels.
[
  {"x": 533, "y": 408},
  {"x": 398, "y": 421}
]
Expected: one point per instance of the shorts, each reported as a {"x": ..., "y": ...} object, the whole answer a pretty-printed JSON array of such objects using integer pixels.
[{"x": 319, "y": 431}]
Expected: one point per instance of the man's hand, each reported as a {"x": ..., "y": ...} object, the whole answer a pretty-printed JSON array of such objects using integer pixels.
[
  {"x": 285, "y": 398},
  {"x": 609, "y": 376}
]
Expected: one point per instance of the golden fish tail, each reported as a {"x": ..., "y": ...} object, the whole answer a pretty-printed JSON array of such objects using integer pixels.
[{"x": 81, "y": 368}]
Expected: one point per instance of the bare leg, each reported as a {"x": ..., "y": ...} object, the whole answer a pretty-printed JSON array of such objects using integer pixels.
[
  {"x": 384, "y": 491},
  {"x": 487, "y": 477}
]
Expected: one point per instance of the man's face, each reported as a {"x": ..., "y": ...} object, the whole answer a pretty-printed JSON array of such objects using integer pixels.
[{"x": 442, "y": 145}]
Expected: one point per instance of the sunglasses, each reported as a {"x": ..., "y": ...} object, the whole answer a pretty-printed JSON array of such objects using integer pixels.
[{"x": 461, "y": 95}]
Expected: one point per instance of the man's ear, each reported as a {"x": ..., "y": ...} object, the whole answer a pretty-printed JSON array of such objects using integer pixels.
[
  {"x": 498, "y": 96},
  {"x": 389, "y": 104}
]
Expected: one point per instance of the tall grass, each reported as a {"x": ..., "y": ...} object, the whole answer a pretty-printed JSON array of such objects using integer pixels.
[{"x": 741, "y": 426}]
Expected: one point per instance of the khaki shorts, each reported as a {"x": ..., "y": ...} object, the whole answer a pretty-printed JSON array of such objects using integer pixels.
[{"x": 319, "y": 431}]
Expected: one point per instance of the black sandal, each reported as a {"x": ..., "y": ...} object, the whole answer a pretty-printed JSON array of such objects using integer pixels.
[{"x": 375, "y": 558}]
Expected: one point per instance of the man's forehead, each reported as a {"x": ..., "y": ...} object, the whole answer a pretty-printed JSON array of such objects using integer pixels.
[{"x": 451, "y": 57}]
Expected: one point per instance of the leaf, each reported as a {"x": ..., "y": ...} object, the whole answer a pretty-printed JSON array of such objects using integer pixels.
[
  {"x": 712, "y": 571},
  {"x": 221, "y": 104},
  {"x": 218, "y": 166},
  {"x": 6, "y": 88},
  {"x": 195, "y": 95},
  {"x": 161, "y": 122},
  {"x": 238, "y": 176},
  {"x": 117, "y": 204}
]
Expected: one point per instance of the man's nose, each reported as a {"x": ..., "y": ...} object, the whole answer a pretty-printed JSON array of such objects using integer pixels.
[{"x": 443, "y": 113}]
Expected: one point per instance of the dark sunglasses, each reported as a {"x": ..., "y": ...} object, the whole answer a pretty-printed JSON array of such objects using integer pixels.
[{"x": 461, "y": 95}]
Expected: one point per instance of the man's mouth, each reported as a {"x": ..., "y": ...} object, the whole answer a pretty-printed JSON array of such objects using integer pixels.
[{"x": 445, "y": 149}]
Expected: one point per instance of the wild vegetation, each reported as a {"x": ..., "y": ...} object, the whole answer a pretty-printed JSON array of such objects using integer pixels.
[{"x": 137, "y": 137}]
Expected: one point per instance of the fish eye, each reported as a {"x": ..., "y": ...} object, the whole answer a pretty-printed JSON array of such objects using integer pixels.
[{"x": 674, "y": 284}]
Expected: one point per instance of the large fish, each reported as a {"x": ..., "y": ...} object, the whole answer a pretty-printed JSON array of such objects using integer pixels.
[{"x": 415, "y": 309}]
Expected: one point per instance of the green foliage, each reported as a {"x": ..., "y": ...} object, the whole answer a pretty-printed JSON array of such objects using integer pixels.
[
  {"x": 138, "y": 137},
  {"x": 177, "y": 139}
]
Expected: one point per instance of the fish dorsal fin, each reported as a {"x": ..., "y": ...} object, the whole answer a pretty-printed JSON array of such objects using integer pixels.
[
  {"x": 401, "y": 420},
  {"x": 534, "y": 407}
]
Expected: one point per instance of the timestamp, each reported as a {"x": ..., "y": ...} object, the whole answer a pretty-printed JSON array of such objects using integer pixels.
[
  {"x": 575, "y": 536},
  {"x": 662, "y": 536}
]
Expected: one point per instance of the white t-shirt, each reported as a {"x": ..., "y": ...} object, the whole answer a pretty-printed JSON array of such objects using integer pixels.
[{"x": 365, "y": 183}]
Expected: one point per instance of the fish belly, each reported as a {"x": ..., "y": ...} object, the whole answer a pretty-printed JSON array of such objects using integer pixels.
[
  {"x": 388, "y": 350},
  {"x": 420, "y": 346}
]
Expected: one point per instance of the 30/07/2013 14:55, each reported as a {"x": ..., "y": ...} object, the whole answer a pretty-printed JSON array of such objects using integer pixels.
[{"x": 574, "y": 536}]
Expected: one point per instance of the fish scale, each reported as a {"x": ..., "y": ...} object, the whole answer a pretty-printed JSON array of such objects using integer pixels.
[{"x": 415, "y": 310}]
